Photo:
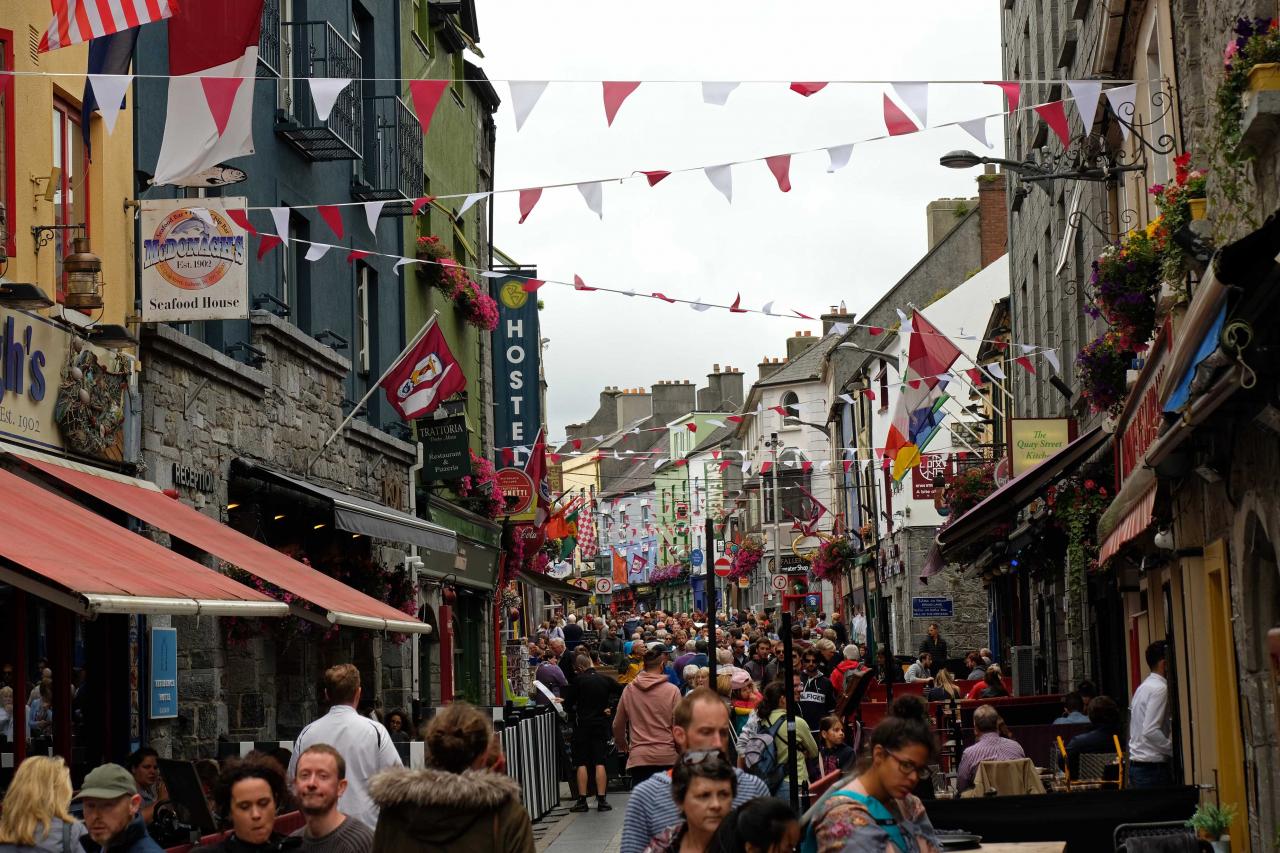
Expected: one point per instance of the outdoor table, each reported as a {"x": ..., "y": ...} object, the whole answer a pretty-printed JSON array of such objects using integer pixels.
[{"x": 1025, "y": 847}]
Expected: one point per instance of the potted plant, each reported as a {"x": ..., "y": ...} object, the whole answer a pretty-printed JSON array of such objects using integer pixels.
[
  {"x": 1251, "y": 63},
  {"x": 1102, "y": 367},
  {"x": 1212, "y": 823},
  {"x": 1126, "y": 282}
]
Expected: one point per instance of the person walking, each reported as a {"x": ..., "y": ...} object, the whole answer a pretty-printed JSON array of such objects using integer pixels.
[
  {"x": 642, "y": 725},
  {"x": 37, "y": 809},
  {"x": 1150, "y": 743},
  {"x": 320, "y": 782},
  {"x": 703, "y": 786},
  {"x": 817, "y": 696},
  {"x": 457, "y": 802},
  {"x": 590, "y": 701},
  {"x": 773, "y": 708},
  {"x": 112, "y": 813},
  {"x": 572, "y": 634},
  {"x": 364, "y": 744}
]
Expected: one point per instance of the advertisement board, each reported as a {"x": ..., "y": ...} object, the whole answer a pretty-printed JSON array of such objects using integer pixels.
[
  {"x": 444, "y": 448},
  {"x": 1033, "y": 440},
  {"x": 926, "y": 606},
  {"x": 932, "y": 466},
  {"x": 193, "y": 260},
  {"x": 164, "y": 673},
  {"x": 517, "y": 409}
]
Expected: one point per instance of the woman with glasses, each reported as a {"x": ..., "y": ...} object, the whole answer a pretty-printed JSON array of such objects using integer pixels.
[
  {"x": 875, "y": 811},
  {"x": 703, "y": 785}
]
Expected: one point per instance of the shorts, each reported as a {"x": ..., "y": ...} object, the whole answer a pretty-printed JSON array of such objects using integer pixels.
[{"x": 590, "y": 746}]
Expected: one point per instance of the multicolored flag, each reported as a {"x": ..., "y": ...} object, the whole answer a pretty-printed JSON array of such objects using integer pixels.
[
  {"x": 919, "y": 412},
  {"x": 76, "y": 21},
  {"x": 587, "y": 545},
  {"x": 425, "y": 376}
]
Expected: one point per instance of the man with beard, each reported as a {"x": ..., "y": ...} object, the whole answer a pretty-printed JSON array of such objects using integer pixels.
[{"x": 320, "y": 779}]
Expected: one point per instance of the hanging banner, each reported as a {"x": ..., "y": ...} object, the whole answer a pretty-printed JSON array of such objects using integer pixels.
[
  {"x": 1033, "y": 440},
  {"x": 192, "y": 261},
  {"x": 932, "y": 466},
  {"x": 444, "y": 448},
  {"x": 517, "y": 410}
]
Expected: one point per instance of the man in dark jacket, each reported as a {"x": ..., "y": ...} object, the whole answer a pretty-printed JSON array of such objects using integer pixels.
[
  {"x": 817, "y": 696},
  {"x": 936, "y": 647},
  {"x": 591, "y": 701},
  {"x": 572, "y": 633},
  {"x": 112, "y": 813}
]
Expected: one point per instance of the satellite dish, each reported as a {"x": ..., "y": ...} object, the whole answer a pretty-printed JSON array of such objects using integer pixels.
[
  {"x": 214, "y": 176},
  {"x": 1003, "y": 471}
]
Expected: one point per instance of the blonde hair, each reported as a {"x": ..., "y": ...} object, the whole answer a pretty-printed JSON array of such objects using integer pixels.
[
  {"x": 724, "y": 683},
  {"x": 40, "y": 792},
  {"x": 948, "y": 683}
]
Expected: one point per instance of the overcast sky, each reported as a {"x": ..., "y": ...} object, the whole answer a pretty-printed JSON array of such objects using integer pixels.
[{"x": 845, "y": 236}]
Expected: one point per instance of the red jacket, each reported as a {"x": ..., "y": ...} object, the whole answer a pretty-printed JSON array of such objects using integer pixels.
[{"x": 837, "y": 675}]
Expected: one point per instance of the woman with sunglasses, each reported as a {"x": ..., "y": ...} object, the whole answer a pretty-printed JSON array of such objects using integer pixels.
[
  {"x": 703, "y": 785},
  {"x": 875, "y": 811}
]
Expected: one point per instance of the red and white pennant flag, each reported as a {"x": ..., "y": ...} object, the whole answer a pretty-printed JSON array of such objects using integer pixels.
[{"x": 76, "y": 21}]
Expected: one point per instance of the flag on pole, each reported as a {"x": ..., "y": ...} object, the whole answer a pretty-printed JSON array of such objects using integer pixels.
[
  {"x": 213, "y": 60},
  {"x": 425, "y": 375},
  {"x": 587, "y": 543},
  {"x": 76, "y": 21},
  {"x": 919, "y": 414}
]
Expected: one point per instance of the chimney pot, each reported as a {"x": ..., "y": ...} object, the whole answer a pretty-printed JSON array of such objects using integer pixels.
[{"x": 715, "y": 368}]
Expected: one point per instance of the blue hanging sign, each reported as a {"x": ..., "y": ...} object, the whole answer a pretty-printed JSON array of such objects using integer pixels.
[
  {"x": 164, "y": 673},
  {"x": 695, "y": 557}
]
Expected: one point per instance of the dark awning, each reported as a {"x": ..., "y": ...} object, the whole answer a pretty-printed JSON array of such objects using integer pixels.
[
  {"x": 550, "y": 585},
  {"x": 976, "y": 524},
  {"x": 357, "y": 515}
]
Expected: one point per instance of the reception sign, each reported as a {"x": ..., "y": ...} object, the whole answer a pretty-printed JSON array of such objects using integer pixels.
[
  {"x": 1033, "y": 440},
  {"x": 193, "y": 261}
]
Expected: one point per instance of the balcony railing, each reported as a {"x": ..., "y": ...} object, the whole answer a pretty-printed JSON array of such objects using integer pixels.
[
  {"x": 316, "y": 49},
  {"x": 391, "y": 169},
  {"x": 269, "y": 41}
]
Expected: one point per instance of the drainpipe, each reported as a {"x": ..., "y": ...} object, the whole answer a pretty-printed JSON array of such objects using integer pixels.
[{"x": 413, "y": 563}]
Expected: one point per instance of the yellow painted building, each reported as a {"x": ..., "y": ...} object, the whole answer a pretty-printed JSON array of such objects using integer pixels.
[
  {"x": 581, "y": 475},
  {"x": 41, "y": 143}
]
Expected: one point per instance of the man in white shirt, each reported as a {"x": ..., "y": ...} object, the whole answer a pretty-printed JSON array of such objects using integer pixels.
[
  {"x": 364, "y": 744},
  {"x": 859, "y": 626},
  {"x": 920, "y": 670},
  {"x": 1150, "y": 745}
]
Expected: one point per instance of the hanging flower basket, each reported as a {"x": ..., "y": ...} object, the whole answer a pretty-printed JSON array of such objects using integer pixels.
[
  {"x": 479, "y": 490},
  {"x": 1101, "y": 367},
  {"x": 443, "y": 273},
  {"x": 1126, "y": 282},
  {"x": 1179, "y": 203},
  {"x": 832, "y": 558},
  {"x": 746, "y": 559}
]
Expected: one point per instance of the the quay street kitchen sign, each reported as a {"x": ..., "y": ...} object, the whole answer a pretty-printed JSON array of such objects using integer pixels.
[
  {"x": 516, "y": 356},
  {"x": 1033, "y": 440},
  {"x": 193, "y": 261}
]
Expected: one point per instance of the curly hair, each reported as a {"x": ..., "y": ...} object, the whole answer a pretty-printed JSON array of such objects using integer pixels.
[{"x": 252, "y": 766}]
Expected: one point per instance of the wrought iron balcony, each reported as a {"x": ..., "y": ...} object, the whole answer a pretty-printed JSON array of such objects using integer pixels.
[
  {"x": 391, "y": 169},
  {"x": 316, "y": 49}
]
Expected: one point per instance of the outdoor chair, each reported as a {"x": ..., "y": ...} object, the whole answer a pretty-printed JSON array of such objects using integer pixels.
[
  {"x": 1094, "y": 767},
  {"x": 1165, "y": 836},
  {"x": 1006, "y": 779}
]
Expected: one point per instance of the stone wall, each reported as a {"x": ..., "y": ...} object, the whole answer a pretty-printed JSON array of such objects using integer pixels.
[
  {"x": 966, "y": 629},
  {"x": 202, "y": 409}
]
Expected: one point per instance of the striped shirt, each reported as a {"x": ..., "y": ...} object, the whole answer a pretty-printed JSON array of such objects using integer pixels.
[
  {"x": 989, "y": 747},
  {"x": 651, "y": 809}
]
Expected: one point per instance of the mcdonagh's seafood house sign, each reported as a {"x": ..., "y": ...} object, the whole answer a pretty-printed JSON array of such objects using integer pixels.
[{"x": 193, "y": 261}]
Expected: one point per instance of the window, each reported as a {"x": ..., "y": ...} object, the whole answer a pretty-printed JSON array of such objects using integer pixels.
[
  {"x": 71, "y": 190},
  {"x": 883, "y": 379},
  {"x": 791, "y": 403},
  {"x": 459, "y": 72},
  {"x": 363, "y": 285},
  {"x": 295, "y": 281},
  {"x": 6, "y": 144}
]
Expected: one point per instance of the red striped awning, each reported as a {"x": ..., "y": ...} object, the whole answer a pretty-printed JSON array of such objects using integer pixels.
[{"x": 1135, "y": 522}]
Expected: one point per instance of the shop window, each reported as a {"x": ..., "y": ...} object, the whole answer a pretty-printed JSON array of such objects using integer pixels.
[
  {"x": 6, "y": 145},
  {"x": 71, "y": 190}
]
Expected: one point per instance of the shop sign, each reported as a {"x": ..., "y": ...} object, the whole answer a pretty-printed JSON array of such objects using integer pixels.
[
  {"x": 516, "y": 354},
  {"x": 1034, "y": 440},
  {"x": 790, "y": 564},
  {"x": 1143, "y": 414},
  {"x": 744, "y": 583},
  {"x": 931, "y": 606},
  {"x": 445, "y": 448},
  {"x": 644, "y": 590},
  {"x": 164, "y": 673},
  {"x": 200, "y": 479},
  {"x": 517, "y": 489},
  {"x": 193, "y": 261},
  {"x": 932, "y": 466}
]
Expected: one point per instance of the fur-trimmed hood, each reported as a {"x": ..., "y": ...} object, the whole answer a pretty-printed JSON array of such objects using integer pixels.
[{"x": 438, "y": 807}]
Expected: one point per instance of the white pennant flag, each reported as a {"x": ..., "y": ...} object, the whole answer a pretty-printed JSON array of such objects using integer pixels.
[
  {"x": 1027, "y": 349},
  {"x": 404, "y": 262},
  {"x": 768, "y": 308},
  {"x": 108, "y": 90},
  {"x": 325, "y": 92},
  {"x": 1052, "y": 356},
  {"x": 902, "y": 318},
  {"x": 995, "y": 370},
  {"x": 718, "y": 424},
  {"x": 721, "y": 178},
  {"x": 698, "y": 305},
  {"x": 470, "y": 200},
  {"x": 977, "y": 128},
  {"x": 916, "y": 97},
  {"x": 316, "y": 251},
  {"x": 658, "y": 462},
  {"x": 1086, "y": 94},
  {"x": 824, "y": 465},
  {"x": 746, "y": 467},
  {"x": 493, "y": 274},
  {"x": 717, "y": 93},
  {"x": 1123, "y": 101},
  {"x": 847, "y": 399},
  {"x": 839, "y": 156},
  {"x": 593, "y": 195},
  {"x": 372, "y": 211},
  {"x": 838, "y": 329},
  {"x": 524, "y": 95},
  {"x": 281, "y": 217}
]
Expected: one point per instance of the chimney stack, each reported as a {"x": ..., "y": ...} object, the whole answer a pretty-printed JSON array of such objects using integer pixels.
[
  {"x": 837, "y": 314},
  {"x": 799, "y": 342},
  {"x": 993, "y": 216}
]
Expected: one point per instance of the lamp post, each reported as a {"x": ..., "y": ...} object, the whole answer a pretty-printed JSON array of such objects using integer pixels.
[{"x": 773, "y": 445}]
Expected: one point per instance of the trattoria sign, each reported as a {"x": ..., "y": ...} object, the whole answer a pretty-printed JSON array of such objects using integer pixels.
[
  {"x": 193, "y": 263},
  {"x": 1034, "y": 440}
]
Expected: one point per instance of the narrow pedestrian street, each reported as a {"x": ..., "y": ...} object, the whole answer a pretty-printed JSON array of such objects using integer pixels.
[{"x": 583, "y": 832}]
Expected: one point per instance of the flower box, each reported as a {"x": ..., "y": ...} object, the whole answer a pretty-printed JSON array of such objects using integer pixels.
[
  {"x": 1264, "y": 77},
  {"x": 1199, "y": 207}
]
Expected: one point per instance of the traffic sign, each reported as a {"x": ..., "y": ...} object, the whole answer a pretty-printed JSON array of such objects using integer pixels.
[
  {"x": 778, "y": 582},
  {"x": 604, "y": 586},
  {"x": 811, "y": 600},
  {"x": 695, "y": 557},
  {"x": 723, "y": 567}
]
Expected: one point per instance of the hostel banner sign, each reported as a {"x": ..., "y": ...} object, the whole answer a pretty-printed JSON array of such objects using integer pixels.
[
  {"x": 517, "y": 413},
  {"x": 193, "y": 261}
]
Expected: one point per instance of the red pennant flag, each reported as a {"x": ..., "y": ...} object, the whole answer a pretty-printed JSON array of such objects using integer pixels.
[
  {"x": 423, "y": 377},
  {"x": 975, "y": 375},
  {"x": 421, "y": 202},
  {"x": 806, "y": 466},
  {"x": 914, "y": 383},
  {"x": 692, "y": 427},
  {"x": 332, "y": 216},
  {"x": 528, "y": 198},
  {"x": 355, "y": 255},
  {"x": 780, "y": 410},
  {"x": 895, "y": 120},
  {"x": 780, "y": 165},
  {"x": 508, "y": 457},
  {"x": 1002, "y": 345},
  {"x": 1026, "y": 364},
  {"x": 680, "y": 462},
  {"x": 875, "y": 330},
  {"x": 737, "y": 419},
  {"x": 725, "y": 464},
  {"x": 848, "y": 463},
  {"x": 579, "y": 284},
  {"x": 734, "y": 309},
  {"x": 1010, "y": 88},
  {"x": 577, "y": 444},
  {"x": 1055, "y": 115},
  {"x": 220, "y": 94},
  {"x": 654, "y": 176},
  {"x": 531, "y": 285},
  {"x": 241, "y": 217},
  {"x": 661, "y": 296},
  {"x": 426, "y": 97},
  {"x": 715, "y": 454},
  {"x": 765, "y": 467},
  {"x": 555, "y": 458},
  {"x": 807, "y": 89},
  {"x": 614, "y": 94},
  {"x": 869, "y": 394},
  {"x": 266, "y": 243},
  {"x": 801, "y": 314}
]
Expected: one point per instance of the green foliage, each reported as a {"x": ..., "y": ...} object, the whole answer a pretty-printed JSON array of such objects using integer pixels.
[{"x": 1213, "y": 821}]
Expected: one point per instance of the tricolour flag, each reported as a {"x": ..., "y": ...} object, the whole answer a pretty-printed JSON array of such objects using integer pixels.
[
  {"x": 919, "y": 411},
  {"x": 213, "y": 59},
  {"x": 425, "y": 375},
  {"x": 76, "y": 21}
]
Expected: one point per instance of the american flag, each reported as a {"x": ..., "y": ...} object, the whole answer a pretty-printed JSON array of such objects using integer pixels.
[{"x": 76, "y": 21}]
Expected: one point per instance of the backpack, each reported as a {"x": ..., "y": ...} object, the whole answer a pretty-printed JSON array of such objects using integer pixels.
[
  {"x": 759, "y": 752},
  {"x": 875, "y": 810}
]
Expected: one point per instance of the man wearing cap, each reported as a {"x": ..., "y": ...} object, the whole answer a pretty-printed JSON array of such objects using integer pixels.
[
  {"x": 112, "y": 813},
  {"x": 642, "y": 725}
]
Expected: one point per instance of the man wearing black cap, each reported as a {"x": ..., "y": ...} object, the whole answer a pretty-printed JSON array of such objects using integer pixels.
[
  {"x": 112, "y": 813},
  {"x": 642, "y": 725}
]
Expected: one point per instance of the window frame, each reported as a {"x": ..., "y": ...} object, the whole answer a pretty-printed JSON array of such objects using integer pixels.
[
  {"x": 8, "y": 89},
  {"x": 69, "y": 116}
]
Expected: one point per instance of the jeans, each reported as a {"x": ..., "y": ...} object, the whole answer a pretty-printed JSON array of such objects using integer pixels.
[
  {"x": 1148, "y": 774},
  {"x": 640, "y": 772}
]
